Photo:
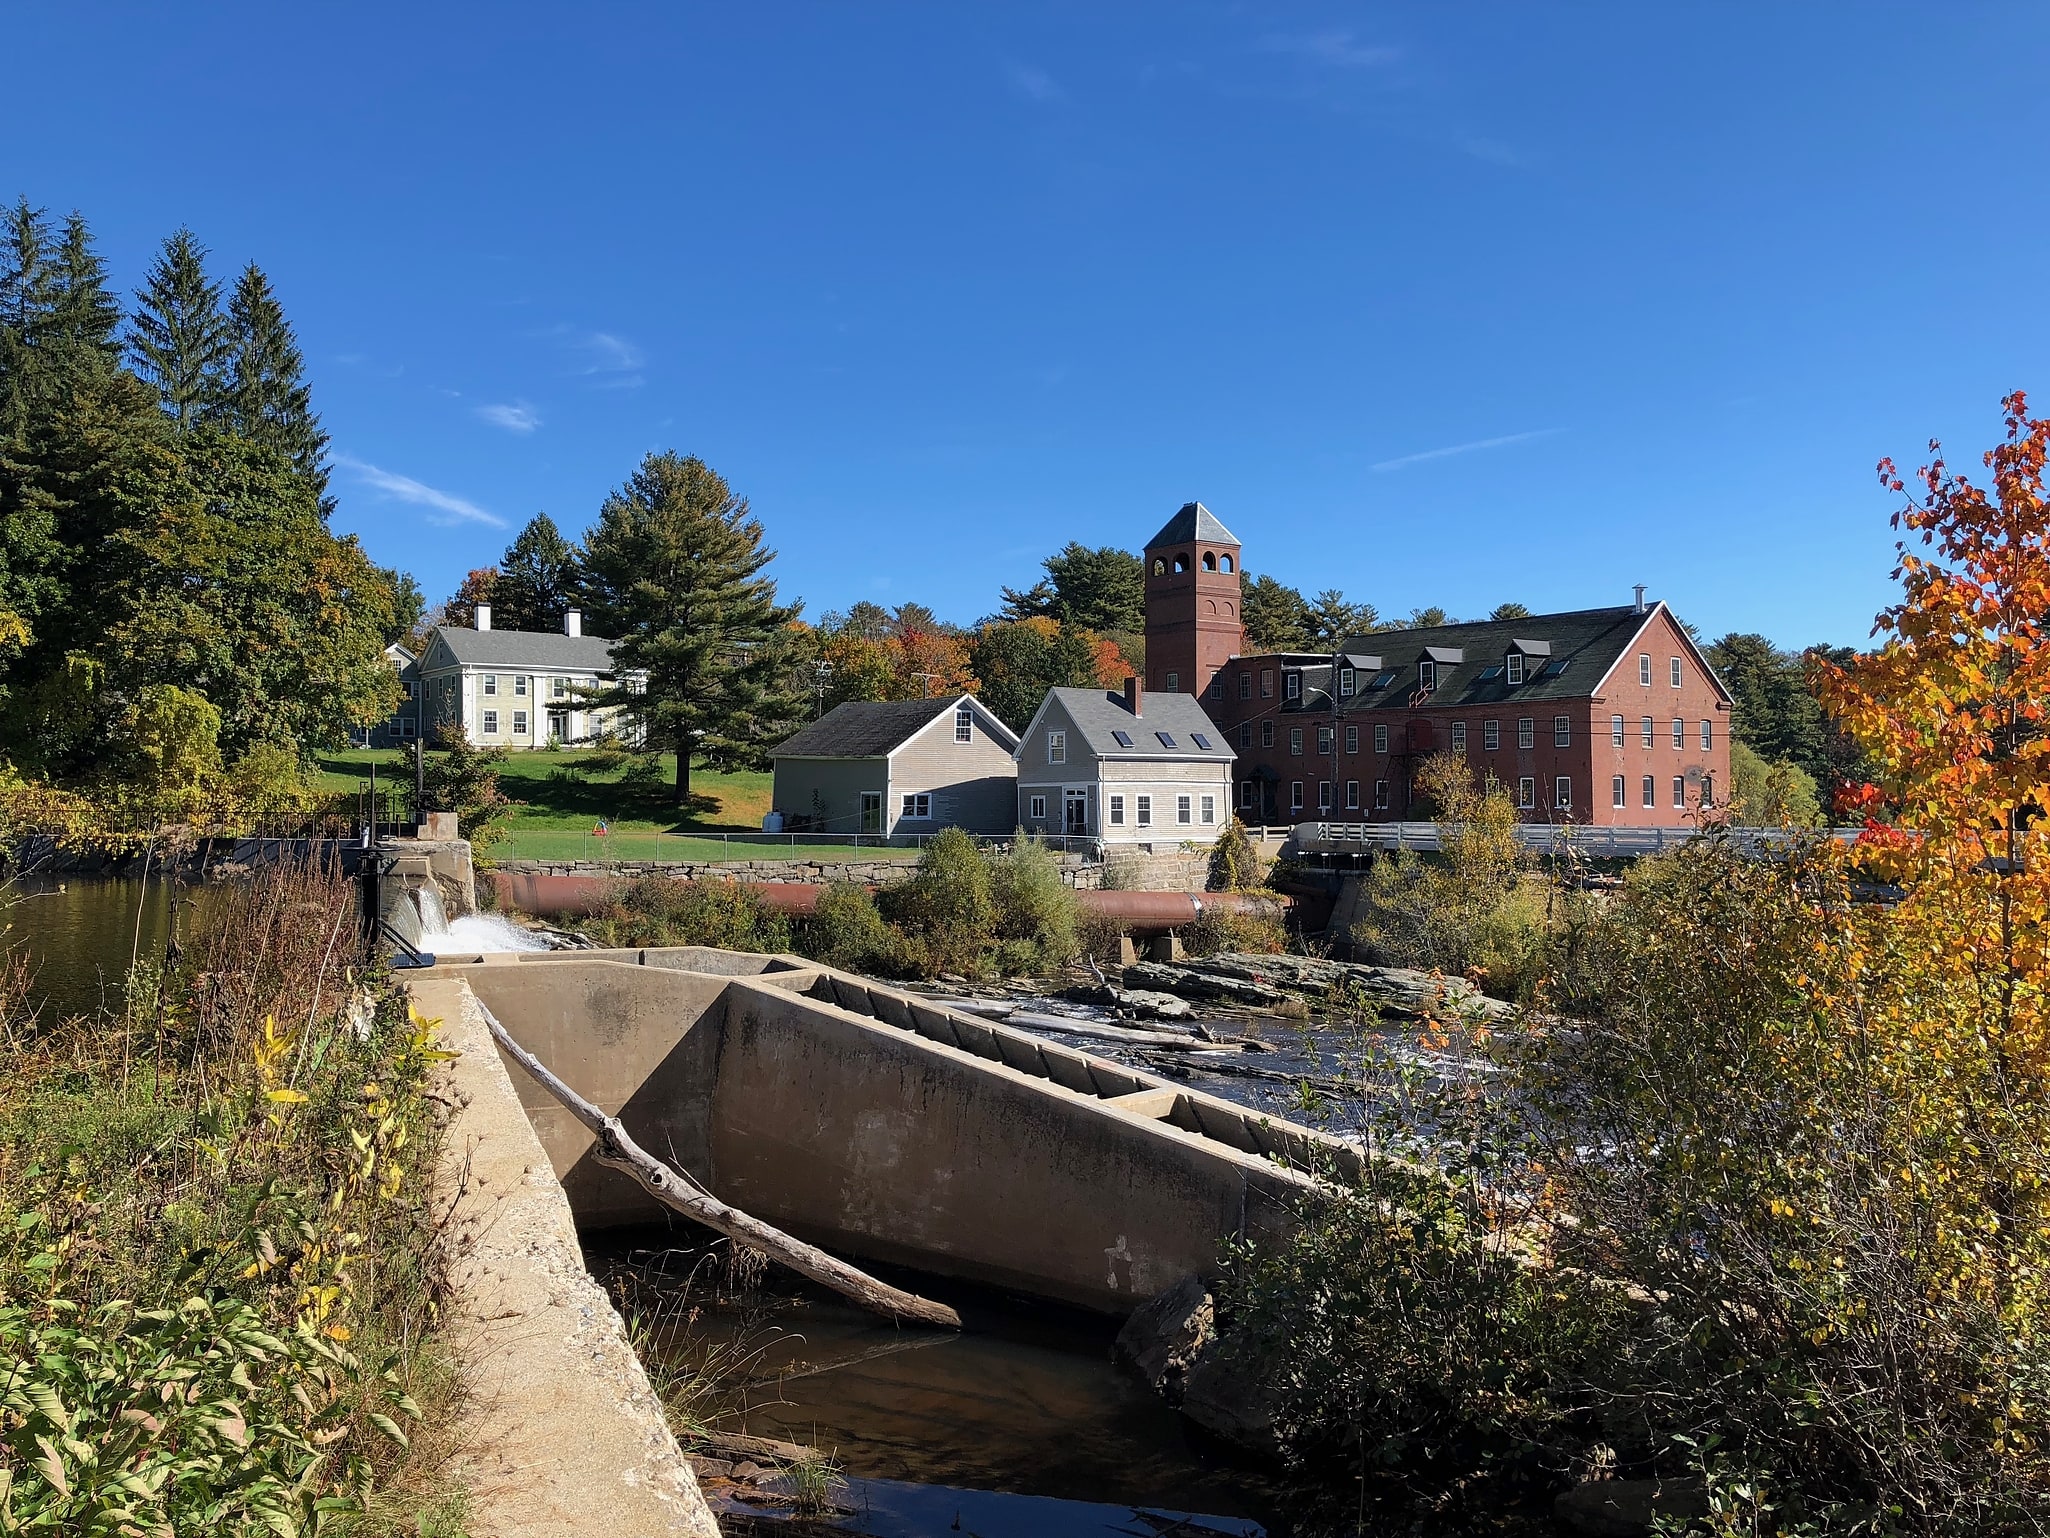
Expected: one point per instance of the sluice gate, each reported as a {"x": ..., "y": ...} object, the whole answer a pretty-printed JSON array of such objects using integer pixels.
[{"x": 884, "y": 1127}]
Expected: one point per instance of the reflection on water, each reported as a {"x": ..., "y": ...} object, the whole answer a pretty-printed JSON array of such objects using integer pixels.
[
  {"x": 81, "y": 933},
  {"x": 1025, "y": 1401}
]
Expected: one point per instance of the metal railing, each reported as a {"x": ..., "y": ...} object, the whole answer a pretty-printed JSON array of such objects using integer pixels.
[{"x": 1591, "y": 839}]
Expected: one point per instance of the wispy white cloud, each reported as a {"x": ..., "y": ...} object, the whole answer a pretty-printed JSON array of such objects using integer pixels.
[
  {"x": 605, "y": 360},
  {"x": 403, "y": 488},
  {"x": 518, "y": 417},
  {"x": 1035, "y": 84},
  {"x": 1340, "y": 49},
  {"x": 1467, "y": 448}
]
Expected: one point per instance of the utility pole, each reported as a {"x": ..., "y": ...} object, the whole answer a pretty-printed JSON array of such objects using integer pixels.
[
  {"x": 925, "y": 683},
  {"x": 822, "y": 673}
]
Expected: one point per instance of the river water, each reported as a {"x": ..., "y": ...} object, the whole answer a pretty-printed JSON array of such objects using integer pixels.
[{"x": 80, "y": 935}]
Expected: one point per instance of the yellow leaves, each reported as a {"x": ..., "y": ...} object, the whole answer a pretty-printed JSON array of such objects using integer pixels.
[{"x": 285, "y": 1097}]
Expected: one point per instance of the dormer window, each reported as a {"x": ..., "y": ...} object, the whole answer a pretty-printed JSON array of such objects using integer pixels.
[
  {"x": 1345, "y": 682},
  {"x": 1292, "y": 685},
  {"x": 1514, "y": 664},
  {"x": 1427, "y": 674}
]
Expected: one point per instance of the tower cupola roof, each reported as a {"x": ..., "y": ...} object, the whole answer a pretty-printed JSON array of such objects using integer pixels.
[{"x": 1194, "y": 524}]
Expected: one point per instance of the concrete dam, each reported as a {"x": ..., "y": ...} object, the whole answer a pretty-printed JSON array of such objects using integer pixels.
[{"x": 881, "y": 1126}]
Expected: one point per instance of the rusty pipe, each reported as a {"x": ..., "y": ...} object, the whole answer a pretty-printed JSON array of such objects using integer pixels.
[{"x": 581, "y": 896}]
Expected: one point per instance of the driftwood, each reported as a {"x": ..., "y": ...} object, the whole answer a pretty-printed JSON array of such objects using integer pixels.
[{"x": 674, "y": 1188}]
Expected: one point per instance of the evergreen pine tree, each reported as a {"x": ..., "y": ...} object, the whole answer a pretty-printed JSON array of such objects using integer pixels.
[
  {"x": 85, "y": 317},
  {"x": 181, "y": 342},
  {"x": 24, "y": 309},
  {"x": 267, "y": 398},
  {"x": 675, "y": 565},
  {"x": 537, "y": 580}
]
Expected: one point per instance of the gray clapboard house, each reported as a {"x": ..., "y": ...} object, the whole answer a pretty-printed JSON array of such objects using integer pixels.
[
  {"x": 899, "y": 767},
  {"x": 1131, "y": 768}
]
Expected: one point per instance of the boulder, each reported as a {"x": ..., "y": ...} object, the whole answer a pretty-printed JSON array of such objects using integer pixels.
[
  {"x": 1165, "y": 1334},
  {"x": 1627, "y": 1508},
  {"x": 1263, "y": 981}
]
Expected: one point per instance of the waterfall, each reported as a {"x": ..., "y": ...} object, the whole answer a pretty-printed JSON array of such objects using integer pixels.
[{"x": 433, "y": 916}]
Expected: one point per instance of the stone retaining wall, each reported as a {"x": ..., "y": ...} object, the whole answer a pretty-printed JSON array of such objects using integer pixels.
[{"x": 1075, "y": 871}]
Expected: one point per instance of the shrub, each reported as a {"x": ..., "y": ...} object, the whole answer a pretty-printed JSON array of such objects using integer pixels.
[
  {"x": 463, "y": 778},
  {"x": 847, "y": 930},
  {"x": 661, "y": 910},
  {"x": 1234, "y": 862},
  {"x": 1218, "y": 929},
  {"x": 945, "y": 910},
  {"x": 1035, "y": 910}
]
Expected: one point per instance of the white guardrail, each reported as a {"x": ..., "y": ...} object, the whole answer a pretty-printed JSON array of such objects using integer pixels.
[{"x": 1587, "y": 838}]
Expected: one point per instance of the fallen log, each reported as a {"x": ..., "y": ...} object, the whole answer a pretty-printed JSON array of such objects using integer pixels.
[{"x": 674, "y": 1188}]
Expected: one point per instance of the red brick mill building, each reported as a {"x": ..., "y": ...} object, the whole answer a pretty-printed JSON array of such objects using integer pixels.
[{"x": 1606, "y": 716}]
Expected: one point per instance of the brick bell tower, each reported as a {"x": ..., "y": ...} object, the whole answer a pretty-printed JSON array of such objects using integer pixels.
[{"x": 1193, "y": 625}]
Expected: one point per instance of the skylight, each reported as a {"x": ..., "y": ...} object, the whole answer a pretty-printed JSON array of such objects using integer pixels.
[
  {"x": 1124, "y": 739},
  {"x": 1201, "y": 741},
  {"x": 1166, "y": 739}
]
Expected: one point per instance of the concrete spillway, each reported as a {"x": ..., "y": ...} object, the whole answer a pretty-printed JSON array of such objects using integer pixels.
[{"x": 881, "y": 1126}]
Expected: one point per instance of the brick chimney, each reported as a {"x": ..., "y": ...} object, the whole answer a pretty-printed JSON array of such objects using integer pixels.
[
  {"x": 1135, "y": 694},
  {"x": 483, "y": 616},
  {"x": 573, "y": 622}
]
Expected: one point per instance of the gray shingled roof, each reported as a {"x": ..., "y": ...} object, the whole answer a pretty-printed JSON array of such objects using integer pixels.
[
  {"x": 527, "y": 649},
  {"x": 1194, "y": 522},
  {"x": 1098, "y": 713},
  {"x": 863, "y": 729},
  {"x": 1585, "y": 644}
]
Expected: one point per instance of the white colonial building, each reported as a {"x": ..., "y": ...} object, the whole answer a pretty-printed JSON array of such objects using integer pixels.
[
  {"x": 517, "y": 688},
  {"x": 1131, "y": 768}
]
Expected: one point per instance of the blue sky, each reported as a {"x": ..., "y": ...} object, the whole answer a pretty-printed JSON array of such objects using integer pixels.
[{"x": 1437, "y": 304}]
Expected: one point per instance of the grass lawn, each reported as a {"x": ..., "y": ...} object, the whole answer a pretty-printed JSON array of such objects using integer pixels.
[{"x": 558, "y": 800}]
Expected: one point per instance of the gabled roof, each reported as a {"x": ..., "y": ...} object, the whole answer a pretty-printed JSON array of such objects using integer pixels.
[
  {"x": 1192, "y": 524},
  {"x": 526, "y": 649},
  {"x": 877, "y": 728},
  {"x": 1584, "y": 646},
  {"x": 1099, "y": 715}
]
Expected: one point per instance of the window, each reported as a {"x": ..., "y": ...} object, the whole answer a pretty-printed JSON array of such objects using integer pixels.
[
  {"x": 872, "y": 810},
  {"x": 1491, "y": 735},
  {"x": 1562, "y": 793},
  {"x": 1057, "y": 747},
  {"x": 1295, "y": 795},
  {"x": 1245, "y": 734},
  {"x": 409, "y": 727},
  {"x": 919, "y": 807},
  {"x": 1619, "y": 792},
  {"x": 1676, "y": 672},
  {"x": 1325, "y": 741},
  {"x": 1616, "y": 730},
  {"x": 1209, "y": 810},
  {"x": 1266, "y": 683},
  {"x": 1380, "y": 795},
  {"x": 1295, "y": 741},
  {"x": 1224, "y": 563},
  {"x": 412, "y": 688},
  {"x": 1650, "y": 792},
  {"x": 1166, "y": 739},
  {"x": 1200, "y": 741},
  {"x": 1174, "y": 683},
  {"x": 1708, "y": 790},
  {"x": 1526, "y": 792},
  {"x": 1245, "y": 686},
  {"x": 1181, "y": 810},
  {"x": 1247, "y": 793},
  {"x": 1324, "y": 795},
  {"x": 558, "y": 688},
  {"x": 1707, "y": 736},
  {"x": 1117, "y": 811},
  {"x": 1513, "y": 667},
  {"x": 1143, "y": 808},
  {"x": 1680, "y": 790},
  {"x": 1266, "y": 734},
  {"x": 1217, "y": 687},
  {"x": 1562, "y": 731},
  {"x": 1381, "y": 737},
  {"x": 964, "y": 724},
  {"x": 491, "y": 683},
  {"x": 1345, "y": 682},
  {"x": 491, "y": 723},
  {"x": 519, "y": 723},
  {"x": 1650, "y": 732},
  {"x": 1352, "y": 739},
  {"x": 1352, "y": 795},
  {"x": 1124, "y": 739},
  {"x": 1427, "y": 674},
  {"x": 1036, "y": 809},
  {"x": 1459, "y": 736},
  {"x": 1292, "y": 686},
  {"x": 1526, "y": 732},
  {"x": 1679, "y": 733},
  {"x": 1644, "y": 671},
  {"x": 520, "y": 685}
]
